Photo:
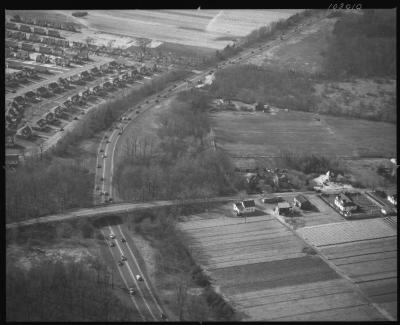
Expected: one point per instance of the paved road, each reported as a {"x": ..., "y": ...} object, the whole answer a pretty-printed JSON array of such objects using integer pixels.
[
  {"x": 120, "y": 208},
  {"x": 144, "y": 299},
  {"x": 104, "y": 183}
]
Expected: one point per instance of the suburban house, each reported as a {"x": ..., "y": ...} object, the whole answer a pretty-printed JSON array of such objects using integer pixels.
[
  {"x": 302, "y": 202},
  {"x": 344, "y": 203},
  {"x": 10, "y": 138},
  {"x": 282, "y": 208},
  {"x": 246, "y": 206},
  {"x": 392, "y": 198},
  {"x": 12, "y": 160}
]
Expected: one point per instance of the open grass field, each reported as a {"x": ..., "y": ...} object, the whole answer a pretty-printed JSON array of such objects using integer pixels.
[
  {"x": 260, "y": 267},
  {"x": 204, "y": 28},
  {"x": 245, "y": 134},
  {"x": 366, "y": 252}
]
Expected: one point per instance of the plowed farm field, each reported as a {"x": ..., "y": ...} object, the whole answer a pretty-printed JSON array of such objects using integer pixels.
[
  {"x": 259, "y": 266},
  {"x": 366, "y": 252},
  {"x": 202, "y": 28}
]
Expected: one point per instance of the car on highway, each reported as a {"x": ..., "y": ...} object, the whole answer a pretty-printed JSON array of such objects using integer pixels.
[
  {"x": 112, "y": 236},
  {"x": 112, "y": 244},
  {"x": 61, "y": 129},
  {"x": 120, "y": 133},
  {"x": 132, "y": 291},
  {"x": 98, "y": 166},
  {"x": 108, "y": 141},
  {"x": 123, "y": 240},
  {"x": 106, "y": 194},
  {"x": 120, "y": 263},
  {"x": 104, "y": 156},
  {"x": 123, "y": 258},
  {"x": 138, "y": 277}
]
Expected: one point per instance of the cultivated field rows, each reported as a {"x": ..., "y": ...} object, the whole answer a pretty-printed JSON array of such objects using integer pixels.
[
  {"x": 196, "y": 28},
  {"x": 260, "y": 267},
  {"x": 347, "y": 231},
  {"x": 365, "y": 251}
]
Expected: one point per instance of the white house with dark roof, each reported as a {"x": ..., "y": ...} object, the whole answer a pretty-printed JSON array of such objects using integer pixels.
[
  {"x": 344, "y": 203},
  {"x": 392, "y": 198},
  {"x": 246, "y": 206}
]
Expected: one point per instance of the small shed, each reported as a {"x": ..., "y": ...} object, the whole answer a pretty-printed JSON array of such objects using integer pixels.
[
  {"x": 282, "y": 208},
  {"x": 302, "y": 202}
]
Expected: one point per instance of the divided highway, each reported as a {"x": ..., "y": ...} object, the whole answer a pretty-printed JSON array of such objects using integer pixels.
[{"x": 142, "y": 297}]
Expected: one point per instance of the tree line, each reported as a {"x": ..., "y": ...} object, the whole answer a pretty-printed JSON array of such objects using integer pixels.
[
  {"x": 264, "y": 34},
  {"x": 181, "y": 163},
  {"x": 103, "y": 116},
  {"x": 176, "y": 270},
  {"x": 250, "y": 83}
]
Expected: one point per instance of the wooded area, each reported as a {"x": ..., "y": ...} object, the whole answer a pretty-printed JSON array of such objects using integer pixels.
[
  {"x": 363, "y": 45},
  {"x": 63, "y": 292},
  {"x": 183, "y": 164},
  {"x": 250, "y": 83},
  {"x": 40, "y": 187}
]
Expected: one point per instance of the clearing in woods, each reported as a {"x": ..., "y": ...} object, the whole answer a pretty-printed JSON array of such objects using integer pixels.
[{"x": 254, "y": 134}]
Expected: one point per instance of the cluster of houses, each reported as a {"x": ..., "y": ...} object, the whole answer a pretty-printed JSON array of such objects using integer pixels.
[{"x": 282, "y": 207}]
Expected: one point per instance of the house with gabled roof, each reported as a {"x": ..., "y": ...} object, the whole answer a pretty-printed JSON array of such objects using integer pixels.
[{"x": 246, "y": 206}]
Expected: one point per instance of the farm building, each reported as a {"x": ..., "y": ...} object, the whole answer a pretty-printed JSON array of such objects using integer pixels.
[
  {"x": 344, "y": 203},
  {"x": 282, "y": 208},
  {"x": 246, "y": 206},
  {"x": 302, "y": 202},
  {"x": 273, "y": 199}
]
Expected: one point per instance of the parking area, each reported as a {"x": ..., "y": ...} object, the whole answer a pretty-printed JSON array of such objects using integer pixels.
[
  {"x": 263, "y": 269},
  {"x": 366, "y": 252}
]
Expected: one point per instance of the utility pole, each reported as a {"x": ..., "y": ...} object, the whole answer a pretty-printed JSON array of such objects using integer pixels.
[{"x": 41, "y": 150}]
